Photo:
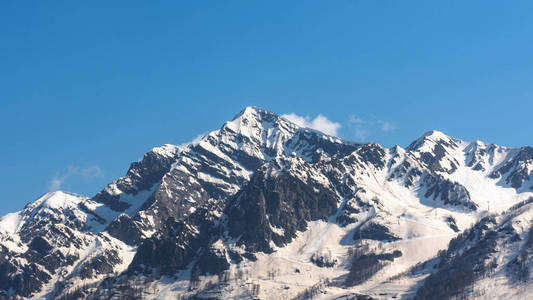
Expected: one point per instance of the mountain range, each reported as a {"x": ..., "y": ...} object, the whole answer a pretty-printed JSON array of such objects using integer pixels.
[{"x": 265, "y": 209}]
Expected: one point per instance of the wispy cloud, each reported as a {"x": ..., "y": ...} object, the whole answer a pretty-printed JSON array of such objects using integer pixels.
[
  {"x": 355, "y": 120},
  {"x": 89, "y": 172},
  {"x": 320, "y": 123},
  {"x": 362, "y": 127},
  {"x": 55, "y": 183},
  {"x": 195, "y": 141},
  {"x": 386, "y": 126}
]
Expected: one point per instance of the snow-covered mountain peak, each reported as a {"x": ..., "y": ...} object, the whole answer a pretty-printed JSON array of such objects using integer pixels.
[
  {"x": 252, "y": 112},
  {"x": 435, "y": 134},
  {"x": 59, "y": 200},
  {"x": 438, "y": 152},
  {"x": 430, "y": 139},
  {"x": 484, "y": 157},
  {"x": 253, "y": 121},
  {"x": 166, "y": 150}
]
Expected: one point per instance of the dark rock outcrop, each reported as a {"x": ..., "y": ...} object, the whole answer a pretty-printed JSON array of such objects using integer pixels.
[
  {"x": 448, "y": 192},
  {"x": 374, "y": 231},
  {"x": 212, "y": 261},
  {"x": 283, "y": 202},
  {"x": 173, "y": 247},
  {"x": 141, "y": 175},
  {"x": 516, "y": 170},
  {"x": 125, "y": 229},
  {"x": 102, "y": 264}
]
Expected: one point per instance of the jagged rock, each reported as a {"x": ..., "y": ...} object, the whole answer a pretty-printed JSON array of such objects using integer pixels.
[
  {"x": 352, "y": 207},
  {"x": 141, "y": 175},
  {"x": 40, "y": 245},
  {"x": 433, "y": 150},
  {"x": 100, "y": 265},
  {"x": 125, "y": 229},
  {"x": 173, "y": 248},
  {"x": 212, "y": 261},
  {"x": 517, "y": 169},
  {"x": 448, "y": 192}
]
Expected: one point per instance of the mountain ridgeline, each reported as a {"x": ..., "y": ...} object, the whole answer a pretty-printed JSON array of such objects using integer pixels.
[{"x": 265, "y": 209}]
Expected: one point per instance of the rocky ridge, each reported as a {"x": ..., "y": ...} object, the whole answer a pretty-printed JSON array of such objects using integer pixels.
[{"x": 284, "y": 208}]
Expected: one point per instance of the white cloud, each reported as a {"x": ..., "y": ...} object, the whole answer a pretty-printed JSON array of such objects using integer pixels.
[
  {"x": 87, "y": 173},
  {"x": 323, "y": 124},
  {"x": 296, "y": 119},
  {"x": 320, "y": 123}
]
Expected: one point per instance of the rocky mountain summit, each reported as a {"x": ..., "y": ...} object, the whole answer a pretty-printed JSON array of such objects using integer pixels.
[{"x": 265, "y": 209}]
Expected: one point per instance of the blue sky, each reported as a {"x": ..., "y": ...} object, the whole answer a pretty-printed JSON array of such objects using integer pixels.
[{"x": 88, "y": 87}]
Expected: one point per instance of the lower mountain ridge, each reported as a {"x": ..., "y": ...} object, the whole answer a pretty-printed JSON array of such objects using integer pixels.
[{"x": 265, "y": 209}]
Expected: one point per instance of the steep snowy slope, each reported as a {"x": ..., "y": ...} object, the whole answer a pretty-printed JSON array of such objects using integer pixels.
[{"x": 264, "y": 208}]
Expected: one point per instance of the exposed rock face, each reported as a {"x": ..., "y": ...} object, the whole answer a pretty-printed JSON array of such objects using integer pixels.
[
  {"x": 141, "y": 176},
  {"x": 124, "y": 229},
  {"x": 351, "y": 208},
  {"x": 448, "y": 192},
  {"x": 435, "y": 151},
  {"x": 517, "y": 170},
  {"x": 273, "y": 209},
  {"x": 173, "y": 247},
  {"x": 29, "y": 281},
  {"x": 40, "y": 245},
  {"x": 45, "y": 227},
  {"x": 101, "y": 264},
  {"x": 212, "y": 261}
]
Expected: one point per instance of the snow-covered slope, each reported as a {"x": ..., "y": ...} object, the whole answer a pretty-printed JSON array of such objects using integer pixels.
[{"x": 264, "y": 208}]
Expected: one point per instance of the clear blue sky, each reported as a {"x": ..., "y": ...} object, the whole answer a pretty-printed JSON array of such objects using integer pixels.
[{"x": 86, "y": 87}]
